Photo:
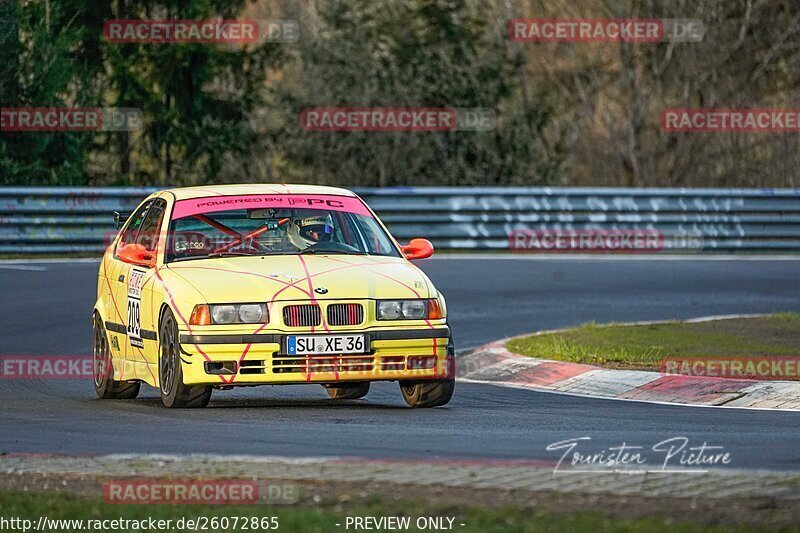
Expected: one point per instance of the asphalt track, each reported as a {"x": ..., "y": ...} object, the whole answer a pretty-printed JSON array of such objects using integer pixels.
[{"x": 45, "y": 309}]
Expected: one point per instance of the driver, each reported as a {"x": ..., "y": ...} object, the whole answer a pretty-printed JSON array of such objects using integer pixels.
[{"x": 309, "y": 231}]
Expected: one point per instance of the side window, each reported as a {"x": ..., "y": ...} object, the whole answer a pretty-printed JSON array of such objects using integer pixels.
[
  {"x": 132, "y": 226},
  {"x": 150, "y": 228},
  {"x": 347, "y": 230},
  {"x": 377, "y": 243}
]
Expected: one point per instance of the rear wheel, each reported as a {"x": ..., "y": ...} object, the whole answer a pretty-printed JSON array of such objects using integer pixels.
[
  {"x": 348, "y": 391},
  {"x": 104, "y": 384},
  {"x": 427, "y": 393},
  {"x": 174, "y": 393}
]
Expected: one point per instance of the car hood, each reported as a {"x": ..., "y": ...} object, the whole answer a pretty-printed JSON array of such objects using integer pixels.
[{"x": 294, "y": 277}]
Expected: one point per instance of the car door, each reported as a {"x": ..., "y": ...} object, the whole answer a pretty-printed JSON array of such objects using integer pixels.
[
  {"x": 120, "y": 275},
  {"x": 142, "y": 310}
]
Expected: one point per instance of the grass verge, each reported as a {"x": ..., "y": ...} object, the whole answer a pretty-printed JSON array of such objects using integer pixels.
[{"x": 642, "y": 347}]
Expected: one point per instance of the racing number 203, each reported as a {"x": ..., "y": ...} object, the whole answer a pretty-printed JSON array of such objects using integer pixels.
[
  {"x": 134, "y": 318},
  {"x": 134, "y": 328}
]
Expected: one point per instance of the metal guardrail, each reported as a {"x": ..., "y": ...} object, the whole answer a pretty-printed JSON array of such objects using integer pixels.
[{"x": 62, "y": 220}]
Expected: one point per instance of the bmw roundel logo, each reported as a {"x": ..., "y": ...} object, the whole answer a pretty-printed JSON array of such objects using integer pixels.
[{"x": 321, "y": 290}]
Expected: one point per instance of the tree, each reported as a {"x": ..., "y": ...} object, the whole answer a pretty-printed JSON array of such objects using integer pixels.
[
  {"x": 197, "y": 98},
  {"x": 420, "y": 53},
  {"x": 49, "y": 57}
]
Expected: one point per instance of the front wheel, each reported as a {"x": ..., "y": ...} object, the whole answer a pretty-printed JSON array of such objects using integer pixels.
[
  {"x": 104, "y": 384},
  {"x": 174, "y": 393},
  {"x": 427, "y": 393},
  {"x": 349, "y": 391}
]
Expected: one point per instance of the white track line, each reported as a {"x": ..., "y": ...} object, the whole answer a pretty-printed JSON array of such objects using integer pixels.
[
  {"x": 23, "y": 267},
  {"x": 48, "y": 261}
]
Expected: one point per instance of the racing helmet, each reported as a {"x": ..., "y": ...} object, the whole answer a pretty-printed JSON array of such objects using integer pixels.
[{"x": 309, "y": 231}]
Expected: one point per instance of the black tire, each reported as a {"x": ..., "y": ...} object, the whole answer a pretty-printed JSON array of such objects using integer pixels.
[
  {"x": 427, "y": 393},
  {"x": 104, "y": 384},
  {"x": 348, "y": 391},
  {"x": 174, "y": 393}
]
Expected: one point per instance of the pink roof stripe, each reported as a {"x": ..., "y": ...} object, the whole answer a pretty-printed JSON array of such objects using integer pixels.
[{"x": 330, "y": 202}]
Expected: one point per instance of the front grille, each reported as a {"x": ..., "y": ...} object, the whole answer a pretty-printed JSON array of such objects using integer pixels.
[
  {"x": 302, "y": 315},
  {"x": 345, "y": 314},
  {"x": 252, "y": 367},
  {"x": 393, "y": 362},
  {"x": 282, "y": 364}
]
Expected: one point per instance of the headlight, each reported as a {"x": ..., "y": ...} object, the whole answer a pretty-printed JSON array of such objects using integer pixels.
[
  {"x": 251, "y": 313},
  {"x": 414, "y": 309},
  {"x": 223, "y": 314},
  {"x": 408, "y": 309},
  {"x": 205, "y": 315},
  {"x": 390, "y": 310}
]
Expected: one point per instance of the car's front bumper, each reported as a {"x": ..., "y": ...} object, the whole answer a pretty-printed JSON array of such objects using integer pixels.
[{"x": 252, "y": 359}]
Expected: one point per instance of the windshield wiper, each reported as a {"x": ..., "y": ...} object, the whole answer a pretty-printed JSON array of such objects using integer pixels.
[
  {"x": 229, "y": 253},
  {"x": 331, "y": 252}
]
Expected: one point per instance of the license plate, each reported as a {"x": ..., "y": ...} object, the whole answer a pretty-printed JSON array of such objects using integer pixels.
[{"x": 325, "y": 344}]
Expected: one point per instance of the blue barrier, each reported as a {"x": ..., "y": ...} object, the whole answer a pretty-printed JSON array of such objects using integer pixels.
[{"x": 62, "y": 220}]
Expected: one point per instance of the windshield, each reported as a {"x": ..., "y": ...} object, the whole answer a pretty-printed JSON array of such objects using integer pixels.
[{"x": 274, "y": 225}]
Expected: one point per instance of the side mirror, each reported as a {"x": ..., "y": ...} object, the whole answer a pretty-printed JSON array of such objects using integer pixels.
[
  {"x": 136, "y": 254},
  {"x": 418, "y": 249},
  {"x": 120, "y": 218}
]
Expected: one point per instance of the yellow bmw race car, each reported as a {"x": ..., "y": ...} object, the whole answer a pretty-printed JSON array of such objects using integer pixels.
[{"x": 242, "y": 285}]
